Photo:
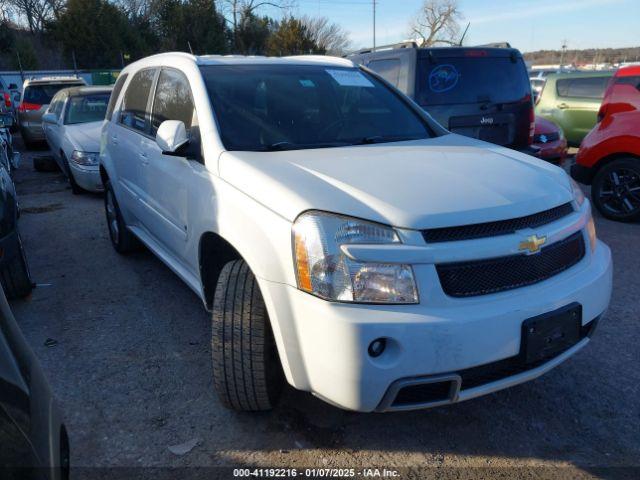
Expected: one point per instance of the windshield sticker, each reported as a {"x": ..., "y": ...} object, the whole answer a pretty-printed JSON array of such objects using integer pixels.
[
  {"x": 443, "y": 78},
  {"x": 307, "y": 83},
  {"x": 350, "y": 78}
]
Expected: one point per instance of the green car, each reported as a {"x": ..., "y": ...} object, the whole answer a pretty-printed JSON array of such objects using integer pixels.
[{"x": 572, "y": 101}]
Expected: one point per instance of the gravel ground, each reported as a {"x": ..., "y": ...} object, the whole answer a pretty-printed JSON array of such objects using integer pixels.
[{"x": 131, "y": 369}]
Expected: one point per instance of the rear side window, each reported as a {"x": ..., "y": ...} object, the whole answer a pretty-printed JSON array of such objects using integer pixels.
[
  {"x": 115, "y": 94},
  {"x": 466, "y": 80},
  {"x": 634, "y": 81},
  {"x": 134, "y": 110},
  {"x": 173, "y": 100},
  {"x": 388, "y": 69},
  {"x": 589, "y": 87}
]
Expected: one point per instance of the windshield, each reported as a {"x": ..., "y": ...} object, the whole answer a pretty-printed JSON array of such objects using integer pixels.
[
  {"x": 458, "y": 80},
  {"x": 42, "y": 94},
  {"x": 278, "y": 107},
  {"x": 87, "y": 108}
]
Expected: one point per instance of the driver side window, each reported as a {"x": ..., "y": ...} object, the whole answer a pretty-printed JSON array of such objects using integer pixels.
[{"x": 173, "y": 101}]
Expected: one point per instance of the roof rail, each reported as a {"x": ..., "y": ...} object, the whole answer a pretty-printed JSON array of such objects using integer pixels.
[
  {"x": 496, "y": 45},
  {"x": 393, "y": 46}
]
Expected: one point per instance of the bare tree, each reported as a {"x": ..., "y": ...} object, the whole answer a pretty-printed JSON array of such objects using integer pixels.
[
  {"x": 329, "y": 37},
  {"x": 437, "y": 23},
  {"x": 35, "y": 13},
  {"x": 236, "y": 10}
]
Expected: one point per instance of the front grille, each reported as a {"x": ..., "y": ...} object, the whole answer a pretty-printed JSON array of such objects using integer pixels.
[
  {"x": 481, "y": 277},
  {"x": 546, "y": 137},
  {"x": 500, "y": 227}
]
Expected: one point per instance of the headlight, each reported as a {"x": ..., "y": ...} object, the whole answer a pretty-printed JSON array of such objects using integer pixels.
[
  {"x": 578, "y": 194},
  {"x": 325, "y": 271},
  {"x": 86, "y": 159}
]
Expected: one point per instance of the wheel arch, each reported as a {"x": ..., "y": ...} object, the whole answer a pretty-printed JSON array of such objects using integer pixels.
[
  {"x": 214, "y": 252},
  {"x": 606, "y": 160},
  {"x": 104, "y": 176}
]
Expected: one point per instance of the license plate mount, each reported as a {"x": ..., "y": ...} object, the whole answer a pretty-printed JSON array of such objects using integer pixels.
[{"x": 546, "y": 335}]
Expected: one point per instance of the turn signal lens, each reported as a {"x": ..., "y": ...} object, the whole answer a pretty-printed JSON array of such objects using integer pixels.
[{"x": 591, "y": 230}]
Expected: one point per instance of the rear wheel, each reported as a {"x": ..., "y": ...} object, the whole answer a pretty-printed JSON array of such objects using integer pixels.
[
  {"x": 15, "y": 276},
  {"x": 615, "y": 190},
  {"x": 247, "y": 374},
  {"x": 122, "y": 239}
]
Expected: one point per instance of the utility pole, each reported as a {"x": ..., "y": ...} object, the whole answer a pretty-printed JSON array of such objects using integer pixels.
[
  {"x": 564, "y": 49},
  {"x": 374, "y": 23}
]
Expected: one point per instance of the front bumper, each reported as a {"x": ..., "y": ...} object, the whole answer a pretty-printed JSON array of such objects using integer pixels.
[
  {"x": 581, "y": 174},
  {"x": 323, "y": 345},
  {"x": 87, "y": 177}
]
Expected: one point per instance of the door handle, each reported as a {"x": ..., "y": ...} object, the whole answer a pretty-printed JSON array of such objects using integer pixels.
[
  {"x": 114, "y": 139},
  {"x": 563, "y": 106},
  {"x": 144, "y": 159}
]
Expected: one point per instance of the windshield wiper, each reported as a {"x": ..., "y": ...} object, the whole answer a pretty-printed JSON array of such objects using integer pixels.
[{"x": 279, "y": 146}]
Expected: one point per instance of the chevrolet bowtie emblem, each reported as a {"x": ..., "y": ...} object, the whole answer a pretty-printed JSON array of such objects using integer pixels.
[{"x": 533, "y": 243}]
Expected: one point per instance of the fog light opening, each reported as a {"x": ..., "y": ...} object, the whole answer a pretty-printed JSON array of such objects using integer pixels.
[{"x": 376, "y": 348}]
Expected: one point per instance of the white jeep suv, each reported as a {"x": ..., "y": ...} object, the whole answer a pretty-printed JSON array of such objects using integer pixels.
[{"x": 342, "y": 239}]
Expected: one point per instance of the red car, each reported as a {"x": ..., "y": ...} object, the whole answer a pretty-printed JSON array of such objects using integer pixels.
[
  {"x": 548, "y": 137},
  {"x": 609, "y": 156}
]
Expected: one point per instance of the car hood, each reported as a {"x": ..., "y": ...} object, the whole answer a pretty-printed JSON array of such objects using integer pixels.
[
  {"x": 85, "y": 136},
  {"x": 444, "y": 181}
]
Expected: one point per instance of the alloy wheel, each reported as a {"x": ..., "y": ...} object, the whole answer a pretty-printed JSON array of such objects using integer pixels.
[{"x": 620, "y": 192}]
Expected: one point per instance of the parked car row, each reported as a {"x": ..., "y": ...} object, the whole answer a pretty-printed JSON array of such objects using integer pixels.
[
  {"x": 321, "y": 210},
  {"x": 15, "y": 276},
  {"x": 609, "y": 156}
]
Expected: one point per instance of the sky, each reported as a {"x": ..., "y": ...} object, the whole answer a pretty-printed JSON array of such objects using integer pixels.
[{"x": 527, "y": 24}]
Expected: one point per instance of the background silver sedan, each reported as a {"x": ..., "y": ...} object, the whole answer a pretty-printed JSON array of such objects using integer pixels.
[{"x": 72, "y": 126}]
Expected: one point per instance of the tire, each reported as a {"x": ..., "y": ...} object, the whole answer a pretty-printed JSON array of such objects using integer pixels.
[
  {"x": 247, "y": 374},
  {"x": 615, "y": 190},
  {"x": 75, "y": 188},
  {"x": 122, "y": 239},
  {"x": 15, "y": 276}
]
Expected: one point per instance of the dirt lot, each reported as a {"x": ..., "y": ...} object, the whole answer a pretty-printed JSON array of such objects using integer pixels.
[{"x": 131, "y": 369}]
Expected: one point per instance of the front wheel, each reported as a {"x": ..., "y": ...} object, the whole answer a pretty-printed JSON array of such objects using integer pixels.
[
  {"x": 75, "y": 188},
  {"x": 615, "y": 190},
  {"x": 247, "y": 374},
  {"x": 15, "y": 275}
]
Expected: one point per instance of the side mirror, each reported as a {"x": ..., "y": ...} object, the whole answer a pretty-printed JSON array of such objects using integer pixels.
[
  {"x": 171, "y": 136},
  {"x": 49, "y": 118}
]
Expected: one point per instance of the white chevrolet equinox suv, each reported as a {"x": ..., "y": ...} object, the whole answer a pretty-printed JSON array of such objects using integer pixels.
[{"x": 342, "y": 239}]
